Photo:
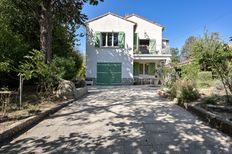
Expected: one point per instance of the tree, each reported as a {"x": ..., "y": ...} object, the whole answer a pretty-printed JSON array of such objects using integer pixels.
[
  {"x": 187, "y": 49},
  {"x": 175, "y": 55},
  {"x": 217, "y": 55},
  {"x": 50, "y": 12},
  {"x": 20, "y": 34}
]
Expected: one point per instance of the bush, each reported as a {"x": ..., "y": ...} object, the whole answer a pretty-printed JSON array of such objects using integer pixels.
[
  {"x": 204, "y": 79},
  {"x": 189, "y": 71},
  {"x": 187, "y": 91},
  {"x": 205, "y": 76},
  {"x": 67, "y": 65},
  {"x": 183, "y": 90}
]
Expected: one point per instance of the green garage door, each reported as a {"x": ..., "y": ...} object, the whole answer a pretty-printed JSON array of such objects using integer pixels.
[{"x": 109, "y": 73}]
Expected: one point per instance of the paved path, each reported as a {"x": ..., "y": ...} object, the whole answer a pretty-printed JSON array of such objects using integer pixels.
[{"x": 121, "y": 120}]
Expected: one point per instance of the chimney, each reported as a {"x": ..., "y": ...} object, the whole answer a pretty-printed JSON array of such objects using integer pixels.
[{"x": 127, "y": 15}]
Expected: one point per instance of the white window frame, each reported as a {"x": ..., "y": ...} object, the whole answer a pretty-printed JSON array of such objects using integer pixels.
[{"x": 106, "y": 43}]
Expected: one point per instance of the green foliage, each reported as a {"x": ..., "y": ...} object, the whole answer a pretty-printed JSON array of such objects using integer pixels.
[
  {"x": 175, "y": 55},
  {"x": 184, "y": 90},
  {"x": 204, "y": 79},
  {"x": 67, "y": 65},
  {"x": 205, "y": 75},
  {"x": 187, "y": 49},
  {"x": 189, "y": 71},
  {"x": 20, "y": 33},
  {"x": 81, "y": 73},
  {"x": 33, "y": 66},
  {"x": 4, "y": 67},
  {"x": 212, "y": 51}
]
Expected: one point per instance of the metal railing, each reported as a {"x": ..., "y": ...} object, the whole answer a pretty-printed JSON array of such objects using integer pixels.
[{"x": 144, "y": 49}]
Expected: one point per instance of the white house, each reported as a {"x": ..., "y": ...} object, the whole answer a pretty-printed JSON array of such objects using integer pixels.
[{"x": 120, "y": 50}]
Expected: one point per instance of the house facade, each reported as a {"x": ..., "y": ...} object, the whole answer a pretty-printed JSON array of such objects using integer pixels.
[{"x": 121, "y": 50}]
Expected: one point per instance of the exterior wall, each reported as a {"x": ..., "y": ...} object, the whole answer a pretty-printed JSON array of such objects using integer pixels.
[
  {"x": 147, "y": 30},
  {"x": 110, "y": 23}
]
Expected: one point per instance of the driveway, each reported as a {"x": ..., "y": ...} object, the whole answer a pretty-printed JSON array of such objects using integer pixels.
[{"x": 129, "y": 119}]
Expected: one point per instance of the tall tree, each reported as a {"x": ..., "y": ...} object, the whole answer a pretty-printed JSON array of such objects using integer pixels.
[
  {"x": 187, "y": 49},
  {"x": 175, "y": 55},
  {"x": 49, "y": 12}
]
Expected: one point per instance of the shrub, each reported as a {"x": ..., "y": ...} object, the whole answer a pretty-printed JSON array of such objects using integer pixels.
[
  {"x": 204, "y": 79},
  {"x": 67, "y": 65},
  {"x": 187, "y": 91},
  {"x": 205, "y": 75},
  {"x": 189, "y": 71}
]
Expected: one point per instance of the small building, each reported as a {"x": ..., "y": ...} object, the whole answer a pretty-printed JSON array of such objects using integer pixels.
[{"x": 120, "y": 50}]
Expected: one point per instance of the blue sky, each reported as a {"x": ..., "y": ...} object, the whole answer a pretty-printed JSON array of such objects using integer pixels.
[{"x": 181, "y": 18}]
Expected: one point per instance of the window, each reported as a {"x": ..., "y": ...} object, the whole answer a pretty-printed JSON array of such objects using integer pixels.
[
  {"x": 140, "y": 68},
  {"x": 109, "y": 39},
  {"x": 146, "y": 68},
  {"x": 103, "y": 39},
  {"x": 115, "y": 39}
]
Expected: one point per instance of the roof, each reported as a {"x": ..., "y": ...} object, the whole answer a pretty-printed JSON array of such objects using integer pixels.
[
  {"x": 128, "y": 16},
  {"x": 109, "y": 13},
  {"x": 165, "y": 39}
]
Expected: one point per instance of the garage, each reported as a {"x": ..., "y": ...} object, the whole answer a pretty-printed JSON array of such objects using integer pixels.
[{"x": 109, "y": 73}]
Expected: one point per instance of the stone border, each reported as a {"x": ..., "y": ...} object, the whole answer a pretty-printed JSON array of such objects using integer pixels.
[
  {"x": 16, "y": 131},
  {"x": 210, "y": 118}
]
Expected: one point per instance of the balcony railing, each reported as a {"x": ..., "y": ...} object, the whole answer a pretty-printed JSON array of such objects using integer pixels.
[
  {"x": 165, "y": 50},
  {"x": 144, "y": 49}
]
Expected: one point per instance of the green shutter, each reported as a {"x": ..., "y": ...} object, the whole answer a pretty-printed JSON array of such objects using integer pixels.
[
  {"x": 136, "y": 42},
  {"x": 136, "y": 68},
  {"x": 152, "y": 45},
  {"x": 121, "y": 39},
  {"x": 97, "y": 39},
  {"x": 151, "y": 69}
]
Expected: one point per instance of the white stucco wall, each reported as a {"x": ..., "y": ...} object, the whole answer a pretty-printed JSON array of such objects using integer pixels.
[
  {"x": 147, "y": 30},
  {"x": 109, "y": 23}
]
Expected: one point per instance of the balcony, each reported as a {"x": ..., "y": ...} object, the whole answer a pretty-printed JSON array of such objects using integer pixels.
[{"x": 144, "y": 49}]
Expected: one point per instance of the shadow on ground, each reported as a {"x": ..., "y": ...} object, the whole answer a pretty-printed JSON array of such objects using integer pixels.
[{"x": 121, "y": 120}]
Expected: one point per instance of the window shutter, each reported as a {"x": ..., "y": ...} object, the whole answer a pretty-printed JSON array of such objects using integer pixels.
[
  {"x": 152, "y": 45},
  {"x": 121, "y": 39},
  {"x": 136, "y": 42},
  {"x": 151, "y": 69},
  {"x": 97, "y": 39}
]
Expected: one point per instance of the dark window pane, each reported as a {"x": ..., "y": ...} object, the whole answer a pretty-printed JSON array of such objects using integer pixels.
[
  {"x": 146, "y": 68},
  {"x": 103, "y": 39},
  {"x": 140, "y": 68},
  {"x": 109, "y": 43},
  {"x": 115, "y": 39}
]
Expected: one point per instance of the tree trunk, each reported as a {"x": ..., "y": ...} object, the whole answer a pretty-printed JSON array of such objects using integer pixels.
[{"x": 46, "y": 28}]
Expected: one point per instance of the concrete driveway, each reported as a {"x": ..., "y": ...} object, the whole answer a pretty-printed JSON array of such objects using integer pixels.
[{"x": 130, "y": 119}]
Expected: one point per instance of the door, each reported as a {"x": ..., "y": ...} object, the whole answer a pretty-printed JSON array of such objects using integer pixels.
[{"x": 109, "y": 73}]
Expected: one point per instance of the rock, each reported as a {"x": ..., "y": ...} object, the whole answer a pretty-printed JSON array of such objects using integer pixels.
[
  {"x": 175, "y": 100},
  {"x": 79, "y": 83},
  {"x": 66, "y": 90}
]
